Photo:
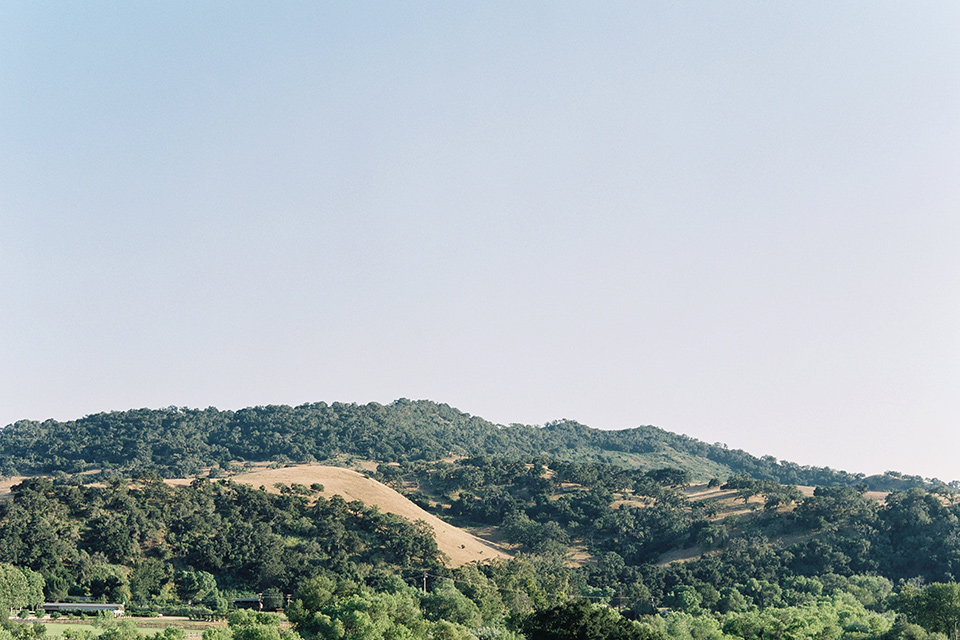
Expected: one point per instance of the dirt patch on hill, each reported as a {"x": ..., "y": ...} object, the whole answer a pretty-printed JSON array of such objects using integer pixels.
[
  {"x": 727, "y": 503},
  {"x": 704, "y": 493},
  {"x": 460, "y": 546},
  {"x": 681, "y": 556},
  {"x": 6, "y": 484},
  {"x": 878, "y": 496}
]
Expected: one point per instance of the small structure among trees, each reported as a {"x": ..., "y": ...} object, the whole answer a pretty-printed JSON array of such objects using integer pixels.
[
  {"x": 84, "y": 607},
  {"x": 270, "y": 600}
]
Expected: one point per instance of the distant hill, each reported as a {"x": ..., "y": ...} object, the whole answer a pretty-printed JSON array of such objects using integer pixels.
[{"x": 179, "y": 442}]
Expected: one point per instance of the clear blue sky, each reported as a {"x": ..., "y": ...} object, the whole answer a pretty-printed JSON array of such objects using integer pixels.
[{"x": 738, "y": 221}]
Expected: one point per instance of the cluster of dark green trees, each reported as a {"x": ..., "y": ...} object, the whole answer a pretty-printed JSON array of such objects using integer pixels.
[
  {"x": 179, "y": 442},
  {"x": 153, "y": 545}
]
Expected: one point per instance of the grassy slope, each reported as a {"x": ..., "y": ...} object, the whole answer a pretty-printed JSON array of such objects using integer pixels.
[
  {"x": 730, "y": 504},
  {"x": 460, "y": 546},
  {"x": 7, "y": 483}
]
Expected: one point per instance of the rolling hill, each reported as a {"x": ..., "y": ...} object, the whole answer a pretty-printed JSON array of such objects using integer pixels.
[
  {"x": 266, "y": 499},
  {"x": 179, "y": 442}
]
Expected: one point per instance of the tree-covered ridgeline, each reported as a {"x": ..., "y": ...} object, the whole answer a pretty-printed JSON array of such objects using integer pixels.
[{"x": 179, "y": 442}]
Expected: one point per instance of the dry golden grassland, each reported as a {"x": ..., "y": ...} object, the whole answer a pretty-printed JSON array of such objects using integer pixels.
[
  {"x": 728, "y": 503},
  {"x": 460, "y": 546},
  {"x": 6, "y": 484}
]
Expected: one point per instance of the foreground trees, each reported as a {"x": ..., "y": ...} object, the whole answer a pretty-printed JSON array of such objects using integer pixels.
[
  {"x": 579, "y": 619},
  {"x": 334, "y": 610},
  {"x": 20, "y": 588},
  {"x": 935, "y": 607}
]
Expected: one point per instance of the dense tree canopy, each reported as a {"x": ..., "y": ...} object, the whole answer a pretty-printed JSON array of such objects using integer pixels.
[
  {"x": 180, "y": 441},
  {"x": 152, "y": 543}
]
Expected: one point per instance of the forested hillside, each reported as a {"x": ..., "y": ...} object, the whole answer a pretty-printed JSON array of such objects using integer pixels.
[
  {"x": 595, "y": 521},
  {"x": 836, "y": 564},
  {"x": 180, "y": 442}
]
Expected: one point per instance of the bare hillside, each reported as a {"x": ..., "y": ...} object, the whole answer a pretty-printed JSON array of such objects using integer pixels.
[
  {"x": 728, "y": 503},
  {"x": 461, "y": 547},
  {"x": 7, "y": 483}
]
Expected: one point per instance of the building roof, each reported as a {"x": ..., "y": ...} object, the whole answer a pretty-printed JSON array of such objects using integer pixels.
[{"x": 81, "y": 606}]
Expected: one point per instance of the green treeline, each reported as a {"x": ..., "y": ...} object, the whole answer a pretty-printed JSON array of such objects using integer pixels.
[
  {"x": 330, "y": 608},
  {"x": 180, "y": 442}
]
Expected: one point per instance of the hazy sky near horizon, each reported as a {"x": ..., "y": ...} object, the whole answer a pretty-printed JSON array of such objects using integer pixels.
[{"x": 738, "y": 221}]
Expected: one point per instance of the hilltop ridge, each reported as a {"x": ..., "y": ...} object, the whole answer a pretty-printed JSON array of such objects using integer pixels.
[{"x": 179, "y": 442}]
